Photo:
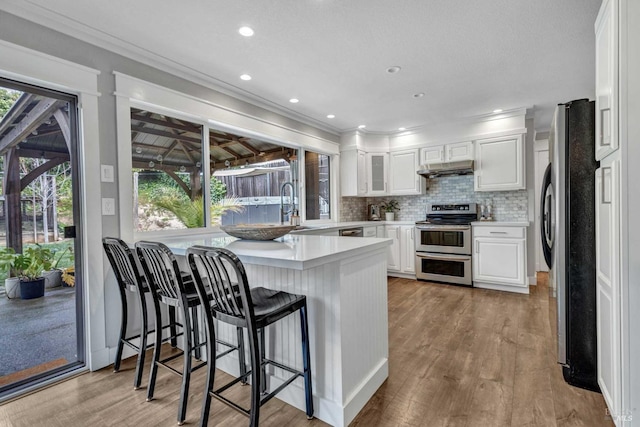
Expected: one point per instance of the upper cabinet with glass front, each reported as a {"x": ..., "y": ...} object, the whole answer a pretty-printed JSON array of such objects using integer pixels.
[{"x": 377, "y": 168}]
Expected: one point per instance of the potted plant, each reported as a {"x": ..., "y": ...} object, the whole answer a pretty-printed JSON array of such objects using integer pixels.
[
  {"x": 389, "y": 207},
  {"x": 28, "y": 267},
  {"x": 53, "y": 277},
  {"x": 11, "y": 284}
]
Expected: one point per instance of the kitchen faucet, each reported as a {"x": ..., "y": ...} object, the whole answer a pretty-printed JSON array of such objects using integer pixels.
[{"x": 291, "y": 204}]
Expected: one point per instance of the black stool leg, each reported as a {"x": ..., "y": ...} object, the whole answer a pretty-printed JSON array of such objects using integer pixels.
[
  {"x": 156, "y": 351},
  {"x": 254, "y": 349},
  {"x": 172, "y": 326},
  {"x": 143, "y": 343},
  {"x": 241, "y": 355},
  {"x": 196, "y": 332},
  {"x": 123, "y": 331},
  {"x": 210, "y": 349},
  {"x": 263, "y": 368},
  {"x": 186, "y": 370},
  {"x": 306, "y": 359}
]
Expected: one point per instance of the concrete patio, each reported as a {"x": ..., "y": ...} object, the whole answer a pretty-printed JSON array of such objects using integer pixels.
[{"x": 37, "y": 331}]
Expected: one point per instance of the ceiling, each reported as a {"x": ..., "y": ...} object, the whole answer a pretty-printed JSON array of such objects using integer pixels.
[{"x": 468, "y": 57}]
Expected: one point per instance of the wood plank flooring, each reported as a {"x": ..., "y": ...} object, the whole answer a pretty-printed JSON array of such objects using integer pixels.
[{"x": 458, "y": 357}]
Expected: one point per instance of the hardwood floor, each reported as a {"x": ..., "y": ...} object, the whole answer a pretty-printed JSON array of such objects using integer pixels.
[{"x": 458, "y": 357}]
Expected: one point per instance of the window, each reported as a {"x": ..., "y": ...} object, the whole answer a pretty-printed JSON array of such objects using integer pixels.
[
  {"x": 167, "y": 172},
  {"x": 318, "y": 185}
]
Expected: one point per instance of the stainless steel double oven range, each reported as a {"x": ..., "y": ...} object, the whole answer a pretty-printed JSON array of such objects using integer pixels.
[{"x": 443, "y": 243}]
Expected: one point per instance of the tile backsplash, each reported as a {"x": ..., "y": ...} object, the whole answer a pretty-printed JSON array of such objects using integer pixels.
[{"x": 507, "y": 205}]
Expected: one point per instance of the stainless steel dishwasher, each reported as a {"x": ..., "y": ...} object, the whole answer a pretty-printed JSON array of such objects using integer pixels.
[{"x": 351, "y": 232}]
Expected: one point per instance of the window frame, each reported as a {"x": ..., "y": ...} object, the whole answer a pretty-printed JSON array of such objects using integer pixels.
[{"x": 132, "y": 92}]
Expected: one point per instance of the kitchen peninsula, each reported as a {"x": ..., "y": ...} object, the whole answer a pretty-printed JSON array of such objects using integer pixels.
[{"x": 345, "y": 281}]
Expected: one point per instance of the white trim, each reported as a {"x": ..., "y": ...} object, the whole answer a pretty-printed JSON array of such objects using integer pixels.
[
  {"x": 51, "y": 19},
  {"x": 392, "y": 147},
  {"x": 134, "y": 92},
  {"x": 29, "y": 66}
]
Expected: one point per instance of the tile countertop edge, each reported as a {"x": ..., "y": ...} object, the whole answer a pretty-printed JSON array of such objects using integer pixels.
[{"x": 500, "y": 224}]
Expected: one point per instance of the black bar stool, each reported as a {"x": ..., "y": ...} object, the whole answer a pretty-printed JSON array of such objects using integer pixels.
[
  {"x": 223, "y": 289},
  {"x": 128, "y": 277},
  {"x": 171, "y": 287}
]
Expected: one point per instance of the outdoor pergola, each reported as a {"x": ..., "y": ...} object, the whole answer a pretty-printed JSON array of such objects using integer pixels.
[{"x": 39, "y": 127}]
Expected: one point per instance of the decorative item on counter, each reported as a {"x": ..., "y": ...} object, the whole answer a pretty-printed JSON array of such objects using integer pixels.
[
  {"x": 486, "y": 212},
  {"x": 257, "y": 231},
  {"x": 389, "y": 207}
]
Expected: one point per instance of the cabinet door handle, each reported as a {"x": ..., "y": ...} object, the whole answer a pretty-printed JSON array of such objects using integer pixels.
[
  {"x": 604, "y": 107},
  {"x": 498, "y": 232},
  {"x": 606, "y": 186},
  {"x": 477, "y": 246}
]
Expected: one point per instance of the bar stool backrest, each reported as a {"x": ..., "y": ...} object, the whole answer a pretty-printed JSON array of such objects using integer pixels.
[
  {"x": 219, "y": 273},
  {"x": 161, "y": 269},
  {"x": 123, "y": 263}
]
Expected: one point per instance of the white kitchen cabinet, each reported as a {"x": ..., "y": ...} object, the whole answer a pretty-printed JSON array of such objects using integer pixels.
[
  {"x": 403, "y": 179},
  {"x": 377, "y": 172},
  {"x": 500, "y": 257},
  {"x": 607, "y": 281},
  {"x": 353, "y": 173},
  {"x": 380, "y": 231},
  {"x": 606, "y": 79},
  {"x": 393, "y": 253},
  {"x": 370, "y": 231},
  {"x": 499, "y": 164},
  {"x": 432, "y": 154},
  {"x": 408, "y": 249},
  {"x": 454, "y": 152}
]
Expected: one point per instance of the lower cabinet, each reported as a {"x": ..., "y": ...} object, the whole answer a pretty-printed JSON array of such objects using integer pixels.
[
  {"x": 393, "y": 254},
  {"x": 401, "y": 254},
  {"x": 407, "y": 249},
  {"x": 608, "y": 298},
  {"x": 499, "y": 258}
]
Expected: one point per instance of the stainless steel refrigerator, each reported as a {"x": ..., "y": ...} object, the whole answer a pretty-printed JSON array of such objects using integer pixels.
[{"x": 568, "y": 237}]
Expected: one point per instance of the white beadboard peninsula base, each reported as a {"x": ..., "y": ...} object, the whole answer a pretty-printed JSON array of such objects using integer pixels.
[{"x": 348, "y": 329}]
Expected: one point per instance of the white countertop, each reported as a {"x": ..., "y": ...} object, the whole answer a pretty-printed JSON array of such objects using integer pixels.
[
  {"x": 338, "y": 225},
  {"x": 298, "y": 252},
  {"x": 500, "y": 223}
]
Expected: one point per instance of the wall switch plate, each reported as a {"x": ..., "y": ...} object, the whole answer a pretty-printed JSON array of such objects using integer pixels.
[
  {"x": 108, "y": 206},
  {"x": 106, "y": 173}
]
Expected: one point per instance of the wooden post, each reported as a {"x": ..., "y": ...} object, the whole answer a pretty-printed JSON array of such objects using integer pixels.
[
  {"x": 54, "y": 213},
  {"x": 13, "y": 221}
]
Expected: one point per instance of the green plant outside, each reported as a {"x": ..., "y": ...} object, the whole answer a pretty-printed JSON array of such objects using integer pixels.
[
  {"x": 61, "y": 253},
  {"x": 191, "y": 213}
]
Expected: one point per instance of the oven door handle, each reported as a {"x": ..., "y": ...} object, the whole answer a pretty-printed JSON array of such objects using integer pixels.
[
  {"x": 444, "y": 257},
  {"x": 441, "y": 228}
]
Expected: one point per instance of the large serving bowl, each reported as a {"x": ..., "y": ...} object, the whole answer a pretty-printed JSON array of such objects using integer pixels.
[{"x": 257, "y": 231}]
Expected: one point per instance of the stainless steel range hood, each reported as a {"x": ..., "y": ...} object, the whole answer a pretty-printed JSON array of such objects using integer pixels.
[{"x": 434, "y": 170}]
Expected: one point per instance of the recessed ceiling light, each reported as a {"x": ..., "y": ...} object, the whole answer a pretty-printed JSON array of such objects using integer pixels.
[
  {"x": 394, "y": 69},
  {"x": 245, "y": 77},
  {"x": 331, "y": 116},
  {"x": 246, "y": 31},
  {"x": 401, "y": 129},
  {"x": 294, "y": 100},
  {"x": 498, "y": 110},
  {"x": 362, "y": 126}
]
